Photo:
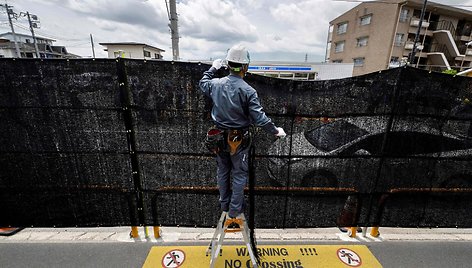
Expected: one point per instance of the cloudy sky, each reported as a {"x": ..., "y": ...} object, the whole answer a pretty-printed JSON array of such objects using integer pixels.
[{"x": 283, "y": 30}]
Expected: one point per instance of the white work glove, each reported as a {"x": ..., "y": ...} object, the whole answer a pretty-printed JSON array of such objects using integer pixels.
[
  {"x": 217, "y": 64},
  {"x": 281, "y": 133}
]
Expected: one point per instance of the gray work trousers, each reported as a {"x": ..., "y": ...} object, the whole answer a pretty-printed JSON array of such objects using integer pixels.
[{"x": 233, "y": 167}]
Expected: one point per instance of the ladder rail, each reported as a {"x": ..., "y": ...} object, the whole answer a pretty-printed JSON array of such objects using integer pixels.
[{"x": 217, "y": 240}]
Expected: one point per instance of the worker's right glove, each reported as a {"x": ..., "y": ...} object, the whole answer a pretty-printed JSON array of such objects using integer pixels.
[
  {"x": 281, "y": 133},
  {"x": 217, "y": 64}
]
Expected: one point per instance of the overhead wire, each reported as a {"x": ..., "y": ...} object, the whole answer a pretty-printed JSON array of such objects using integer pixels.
[
  {"x": 57, "y": 38},
  {"x": 393, "y": 3}
]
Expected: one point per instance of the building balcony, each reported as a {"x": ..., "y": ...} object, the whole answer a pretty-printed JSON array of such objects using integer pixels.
[
  {"x": 409, "y": 45},
  {"x": 415, "y": 22}
]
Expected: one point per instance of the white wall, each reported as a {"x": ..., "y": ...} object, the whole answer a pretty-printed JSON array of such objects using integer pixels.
[
  {"x": 328, "y": 71},
  {"x": 130, "y": 51},
  {"x": 8, "y": 53}
]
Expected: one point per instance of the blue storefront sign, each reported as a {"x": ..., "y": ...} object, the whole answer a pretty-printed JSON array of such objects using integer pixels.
[{"x": 280, "y": 68}]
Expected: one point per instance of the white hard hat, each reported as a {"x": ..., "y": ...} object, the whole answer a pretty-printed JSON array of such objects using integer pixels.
[{"x": 238, "y": 54}]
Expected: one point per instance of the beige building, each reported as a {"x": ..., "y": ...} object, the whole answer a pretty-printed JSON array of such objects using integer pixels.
[
  {"x": 132, "y": 50},
  {"x": 380, "y": 35}
]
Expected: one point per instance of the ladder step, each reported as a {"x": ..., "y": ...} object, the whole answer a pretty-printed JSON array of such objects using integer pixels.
[{"x": 233, "y": 225}]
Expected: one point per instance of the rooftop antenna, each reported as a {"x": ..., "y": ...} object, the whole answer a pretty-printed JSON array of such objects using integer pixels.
[{"x": 174, "y": 28}]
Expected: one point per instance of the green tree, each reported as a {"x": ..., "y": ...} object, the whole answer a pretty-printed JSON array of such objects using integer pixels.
[{"x": 451, "y": 72}]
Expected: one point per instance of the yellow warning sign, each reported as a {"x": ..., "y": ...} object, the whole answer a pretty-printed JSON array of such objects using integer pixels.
[{"x": 277, "y": 256}]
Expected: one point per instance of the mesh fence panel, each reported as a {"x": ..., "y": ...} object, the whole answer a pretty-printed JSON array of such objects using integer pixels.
[{"x": 119, "y": 142}]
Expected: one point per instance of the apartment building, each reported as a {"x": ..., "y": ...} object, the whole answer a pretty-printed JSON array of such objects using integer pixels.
[
  {"x": 380, "y": 35},
  {"x": 25, "y": 43}
]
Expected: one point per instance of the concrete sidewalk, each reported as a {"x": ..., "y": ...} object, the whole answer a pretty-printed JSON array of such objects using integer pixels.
[{"x": 203, "y": 235}]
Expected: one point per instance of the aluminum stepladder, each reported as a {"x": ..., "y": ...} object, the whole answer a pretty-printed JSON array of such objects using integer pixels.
[{"x": 218, "y": 237}]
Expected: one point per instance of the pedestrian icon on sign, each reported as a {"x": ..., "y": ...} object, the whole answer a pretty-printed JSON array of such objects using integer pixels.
[
  {"x": 173, "y": 259},
  {"x": 349, "y": 257}
]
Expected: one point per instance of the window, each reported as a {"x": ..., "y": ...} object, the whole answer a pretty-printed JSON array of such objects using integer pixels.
[
  {"x": 301, "y": 76},
  {"x": 286, "y": 75},
  {"x": 342, "y": 28},
  {"x": 339, "y": 46},
  {"x": 28, "y": 41},
  {"x": 157, "y": 56},
  {"x": 362, "y": 41},
  {"x": 404, "y": 15},
  {"x": 365, "y": 20},
  {"x": 399, "y": 39},
  {"x": 359, "y": 62},
  {"x": 147, "y": 54},
  {"x": 337, "y": 61},
  {"x": 119, "y": 54},
  {"x": 394, "y": 62}
]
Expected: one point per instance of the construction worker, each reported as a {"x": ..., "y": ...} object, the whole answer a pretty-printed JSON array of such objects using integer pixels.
[{"x": 235, "y": 108}]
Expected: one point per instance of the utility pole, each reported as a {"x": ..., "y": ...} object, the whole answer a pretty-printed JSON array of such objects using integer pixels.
[
  {"x": 174, "y": 28},
  {"x": 93, "y": 48},
  {"x": 10, "y": 13},
  {"x": 33, "y": 24},
  {"x": 417, "y": 36}
]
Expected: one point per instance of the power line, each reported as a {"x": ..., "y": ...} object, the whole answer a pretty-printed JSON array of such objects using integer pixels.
[
  {"x": 48, "y": 35},
  {"x": 360, "y": 1},
  {"x": 386, "y": 2}
]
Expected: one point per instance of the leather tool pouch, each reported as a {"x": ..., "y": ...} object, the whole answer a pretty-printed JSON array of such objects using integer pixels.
[
  {"x": 215, "y": 141},
  {"x": 235, "y": 138},
  {"x": 238, "y": 138}
]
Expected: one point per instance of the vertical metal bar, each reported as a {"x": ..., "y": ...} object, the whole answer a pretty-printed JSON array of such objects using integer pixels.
[
  {"x": 291, "y": 111},
  {"x": 417, "y": 36},
  {"x": 393, "y": 105},
  {"x": 125, "y": 95}
]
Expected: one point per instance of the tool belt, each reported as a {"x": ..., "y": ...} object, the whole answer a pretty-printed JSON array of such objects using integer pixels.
[{"x": 229, "y": 140}]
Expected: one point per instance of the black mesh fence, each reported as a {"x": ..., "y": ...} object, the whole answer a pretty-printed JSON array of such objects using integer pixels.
[{"x": 119, "y": 142}]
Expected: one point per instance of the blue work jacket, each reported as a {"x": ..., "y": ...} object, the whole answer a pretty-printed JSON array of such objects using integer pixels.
[{"x": 235, "y": 103}]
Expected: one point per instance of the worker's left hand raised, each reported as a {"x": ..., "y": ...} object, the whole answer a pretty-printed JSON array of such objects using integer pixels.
[
  {"x": 281, "y": 133},
  {"x": 217, "y": 64}
]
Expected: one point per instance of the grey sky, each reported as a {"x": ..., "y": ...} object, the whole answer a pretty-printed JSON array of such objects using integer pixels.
[{"x": 272, "y": 29}]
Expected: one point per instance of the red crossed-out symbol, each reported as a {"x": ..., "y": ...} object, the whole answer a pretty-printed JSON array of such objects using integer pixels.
[
  {"x": 173, "y": 259},
  {"x": 349, "y": 257}
]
